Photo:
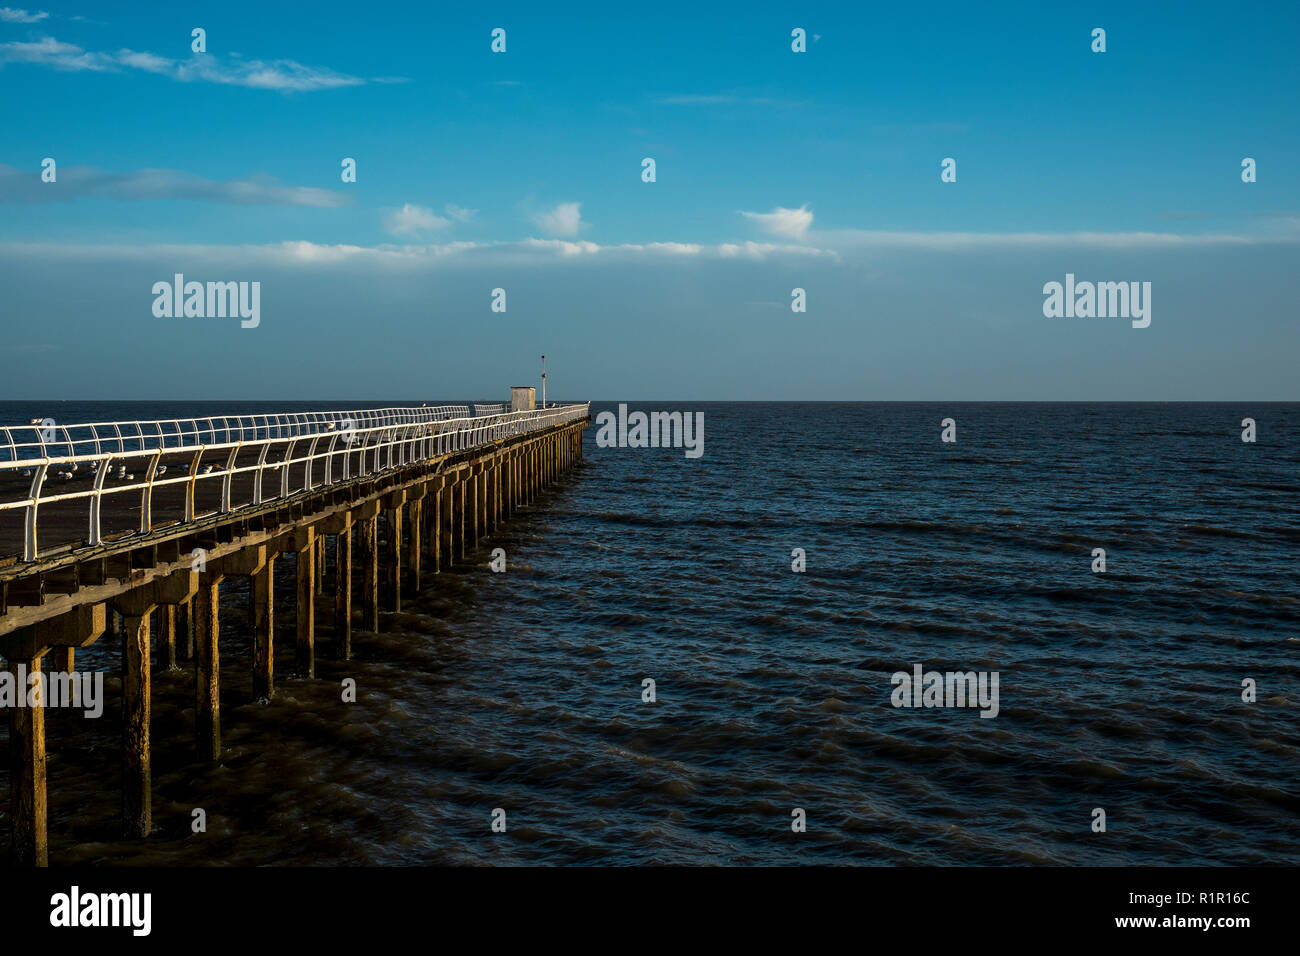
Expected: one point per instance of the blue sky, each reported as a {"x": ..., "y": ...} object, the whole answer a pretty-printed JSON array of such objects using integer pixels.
[{"x": 775, "y": 170}]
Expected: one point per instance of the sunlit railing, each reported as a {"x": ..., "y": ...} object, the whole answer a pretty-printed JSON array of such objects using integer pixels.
[
  {"x": 45, "y": 438},
  {"x": 328, "y": 449}
]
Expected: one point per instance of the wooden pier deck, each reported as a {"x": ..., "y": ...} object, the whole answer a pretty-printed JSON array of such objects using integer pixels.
[{"x": 138, "y": 538}]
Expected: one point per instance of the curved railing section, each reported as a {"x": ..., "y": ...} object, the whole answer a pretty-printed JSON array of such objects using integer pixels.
[{"x": 285, "y": 455}]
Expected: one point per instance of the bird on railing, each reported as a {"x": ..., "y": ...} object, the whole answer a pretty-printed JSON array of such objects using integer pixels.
[{"x": 207, "y": 470}]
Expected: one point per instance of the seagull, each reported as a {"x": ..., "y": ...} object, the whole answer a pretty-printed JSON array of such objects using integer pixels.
[
  {"x": 207, "y": 470},
  {"x": 162, "y": 470}
]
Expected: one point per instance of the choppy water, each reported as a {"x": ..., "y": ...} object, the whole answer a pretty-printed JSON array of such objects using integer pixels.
[{"x": 523, "y": 690}]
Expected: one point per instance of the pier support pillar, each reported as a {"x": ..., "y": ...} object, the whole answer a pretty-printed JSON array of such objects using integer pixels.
[
  {"x": 28, "y": 807},
  {"x": 505, "y": 488},
  {"x": 368, "y": 542},
  {"x": 137, "y": 776},
  {"x": 534, "y": 472},
  {"x": 458, "y": 520},
  {"x": 523, "y": 477},
  {"x": 435, "y": 524},
  {"x": 167, "y": 640},
  {"x": 63, "y": 659},
  {"x": 482, "y": 502},
  {"x": 517, "y": 483},
  {"x": 263, "y": 588},
  {"x": 343, "y": 590},
  {"x": 394, "y": 555},
  {"x": 185, "y": 629},
  {"x": 447, "y": 503},
  {"x": 207, "y": 667},
  {"x": 446, "y": 509},
  {"x": 415, "y": 541},
  {"x": 471, "y": 508},
  {"x": 305, "y": 541},
  {"x": 135, "y": 607},
  {"x": 320, "y": 565}
]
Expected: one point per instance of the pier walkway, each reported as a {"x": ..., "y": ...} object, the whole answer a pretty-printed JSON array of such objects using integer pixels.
[{"x": 131, "y": 528}]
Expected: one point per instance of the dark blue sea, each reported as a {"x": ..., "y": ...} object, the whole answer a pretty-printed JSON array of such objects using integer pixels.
[{"x": 522, "y": 691}]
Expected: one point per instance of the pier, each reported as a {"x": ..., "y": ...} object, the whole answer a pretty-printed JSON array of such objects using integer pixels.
[{"x": 131, "y": 528}]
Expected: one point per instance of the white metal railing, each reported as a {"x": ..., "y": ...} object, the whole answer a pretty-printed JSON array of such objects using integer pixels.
[
  {"x": 45, "y": 438},
  {"x": 332, "y": 451}
]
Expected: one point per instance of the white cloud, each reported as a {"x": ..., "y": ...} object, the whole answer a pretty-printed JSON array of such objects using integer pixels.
[
  {"x": 563, "y": 220},
  {"x": 458, "y": 213},
  {"x": 145, "y": 61},
  {"x": 78, "y": 182},
  {"x": 303, "y": 253},
  {"x": 861, "y": 238},
  {"x": 412, "y": 220},
  {"x": 48, "y": 51},
  {"x": 831, "y": 249},
  {"x": 761, "y": 250},
  {"x": 281, "y": 75},
  {"x": 562, "y": 246},
  {"x": 786, "y": 223},
  {"x": 10, "y": 15}
]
